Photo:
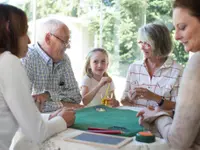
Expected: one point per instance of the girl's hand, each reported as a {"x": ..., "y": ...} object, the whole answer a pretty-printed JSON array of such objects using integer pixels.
[
  {"x": 113, "y": 102},
  {"x": 144, "y": 94},
  {"x": 105, "y": 80}
]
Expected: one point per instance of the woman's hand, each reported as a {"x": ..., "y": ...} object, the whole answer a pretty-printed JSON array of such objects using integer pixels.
[
  {"x": 54, "y": 114},
  {"x": 147, "y": 113},
  {"x": 145, "y": 94},
  {"x": 131, "y": 95},
  {"x": 68, "y": 115}
]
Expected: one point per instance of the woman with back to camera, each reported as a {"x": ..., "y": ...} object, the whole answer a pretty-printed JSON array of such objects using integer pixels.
[
  {"x": 183, "y": 132},
  {"x": 17, "y": 108}
]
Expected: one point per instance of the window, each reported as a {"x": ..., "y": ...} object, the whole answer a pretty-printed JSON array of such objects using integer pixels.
[{"x": 111, "y": 24}]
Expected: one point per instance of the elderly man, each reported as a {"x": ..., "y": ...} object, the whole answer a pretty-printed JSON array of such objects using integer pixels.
[{"x": 49, "y": 68}]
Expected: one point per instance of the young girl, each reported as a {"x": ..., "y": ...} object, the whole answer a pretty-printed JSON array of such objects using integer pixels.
[{"x": 96, "y": 83}]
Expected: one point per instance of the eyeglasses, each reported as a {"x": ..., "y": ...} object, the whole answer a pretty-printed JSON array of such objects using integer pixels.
[
  {"x": 66, "y": 44},
  {"x": 144, "y": 45}
]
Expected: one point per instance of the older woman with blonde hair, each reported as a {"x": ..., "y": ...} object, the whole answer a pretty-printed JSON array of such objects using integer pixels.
[{"x": 154, "y": 81}]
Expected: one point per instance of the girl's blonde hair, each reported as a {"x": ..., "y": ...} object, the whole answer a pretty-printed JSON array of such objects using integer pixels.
[{"x": 87, "y": 70}]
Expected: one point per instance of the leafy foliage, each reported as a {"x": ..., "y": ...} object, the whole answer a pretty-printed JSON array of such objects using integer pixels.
[
  {"x": 120, "y": 25},
  {"x": 115, "y": 23},
  {"x": 161, "y": 11}
]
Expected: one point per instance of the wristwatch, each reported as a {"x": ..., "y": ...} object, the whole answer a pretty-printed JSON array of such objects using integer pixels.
[{"x": 161, "y": 101}]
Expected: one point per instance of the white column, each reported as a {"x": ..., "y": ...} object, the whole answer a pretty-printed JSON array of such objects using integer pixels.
[{"x": 33, "y": 38}]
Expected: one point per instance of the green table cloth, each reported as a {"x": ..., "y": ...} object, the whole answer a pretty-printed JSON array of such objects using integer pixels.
[{"x": 109, "y": 118}]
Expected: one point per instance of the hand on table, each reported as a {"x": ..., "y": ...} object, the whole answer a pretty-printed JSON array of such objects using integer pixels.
[
  {"x": 40, "y": 99},
  {"x": 72, "y": 105},
  {"x": 67, "y": 114},
  {"x": 54, "y": 114},
  {"x": 147, "y": 113}
]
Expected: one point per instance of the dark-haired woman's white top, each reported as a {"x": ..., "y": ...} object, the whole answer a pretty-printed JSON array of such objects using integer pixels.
[{"x": 17, "y": 108}]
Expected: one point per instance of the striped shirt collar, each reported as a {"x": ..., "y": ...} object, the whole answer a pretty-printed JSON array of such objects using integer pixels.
[
  {"x": 168, "y": 63},
  {"x": 41, "y": 52}
]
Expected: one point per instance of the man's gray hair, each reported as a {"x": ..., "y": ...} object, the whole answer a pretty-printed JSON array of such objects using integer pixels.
[{"x": 47, "y": 26}]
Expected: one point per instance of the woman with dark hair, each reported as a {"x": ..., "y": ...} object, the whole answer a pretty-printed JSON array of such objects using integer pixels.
[
  {"x": 183, "y": 132},
  {"x": 17, "y": 108}
]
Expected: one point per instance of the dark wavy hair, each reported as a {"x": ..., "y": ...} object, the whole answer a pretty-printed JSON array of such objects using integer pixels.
[
  {"x": 192, "y": 5},
  {"x": 13, "y": 24}
]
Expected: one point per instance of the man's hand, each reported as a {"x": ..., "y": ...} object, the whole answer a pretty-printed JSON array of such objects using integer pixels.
[
  {"x": 40, "y": 99},
  {"x": 72, "y": 105}
]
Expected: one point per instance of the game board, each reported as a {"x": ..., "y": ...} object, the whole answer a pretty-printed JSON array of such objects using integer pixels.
[{"x": 109, "y": 118}]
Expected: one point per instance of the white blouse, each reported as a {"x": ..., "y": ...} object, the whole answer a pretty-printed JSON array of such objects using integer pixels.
[
  {"x": 164, "y": 82},
  {"x": 17, "y": 108}
]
